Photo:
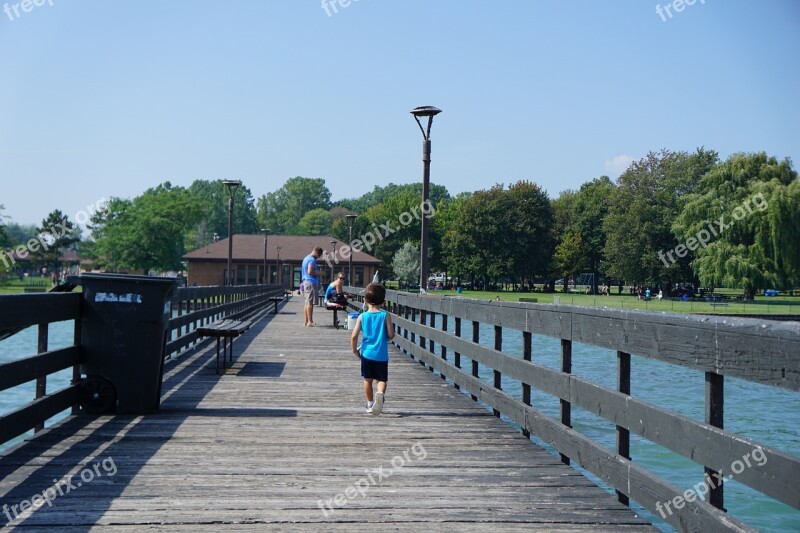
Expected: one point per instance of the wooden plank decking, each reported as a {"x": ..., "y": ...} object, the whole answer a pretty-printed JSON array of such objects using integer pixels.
[{"x": 283, "y": 434}]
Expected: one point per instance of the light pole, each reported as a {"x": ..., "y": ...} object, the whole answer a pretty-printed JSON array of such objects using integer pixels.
[
  {"x": 333, "y": 247},
  {"x": 280, "y": 267},
  {"x": 232, "y": 185},
  {"x": 430, "y": 112},
  {"x": 350, "y": 218},
  {"x": 264, "y": 275}
]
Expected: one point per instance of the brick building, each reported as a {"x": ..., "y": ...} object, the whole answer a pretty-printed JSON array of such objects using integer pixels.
[{"x": 285, "y": 254}]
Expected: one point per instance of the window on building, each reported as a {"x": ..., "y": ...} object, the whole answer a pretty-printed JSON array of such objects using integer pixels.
[
  {"x": 241, "y": 271},
  {"x": 252, "y": 274},
  {"x": 359, "y": 275}
]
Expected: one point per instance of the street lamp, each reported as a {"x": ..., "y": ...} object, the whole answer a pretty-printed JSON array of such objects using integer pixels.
[
  {"x": 333, "y": 247},
  {"x": 350, "y": 218},
  {"x": 280, "y": 267},
  {"x": 264, "y": 275},
  {"x": 232, "y": 185},
  {"x": 430, "y": 112}
]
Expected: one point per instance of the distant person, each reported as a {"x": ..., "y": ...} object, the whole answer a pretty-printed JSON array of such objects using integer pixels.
[
  {"x": 310, "y": 284},
  {"x": 335, "y": 292},
  {"x": 647, "y": 294},
  {"x": 374, "y": 350},
  {"x": 660, "y": 294}
]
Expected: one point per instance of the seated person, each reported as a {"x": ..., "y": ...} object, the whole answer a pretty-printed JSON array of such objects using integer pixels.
[{"x": 335, "y": 293}]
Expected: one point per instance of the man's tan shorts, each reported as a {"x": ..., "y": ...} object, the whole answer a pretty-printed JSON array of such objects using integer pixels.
[{"x": 309, "y": 292}]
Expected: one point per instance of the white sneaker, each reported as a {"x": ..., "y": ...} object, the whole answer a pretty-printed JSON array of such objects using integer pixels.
[
  {"x": 378, "y": 407},
  {"x": 370, "y": 406}
]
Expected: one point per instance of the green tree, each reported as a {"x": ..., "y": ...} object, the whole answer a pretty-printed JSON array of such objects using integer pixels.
[
  {"x": 563, "y": 218},
  {"x": 590, "y": 210},
  {"x": 213, "y": 197},
  {"x": 282, "y": 210},
  {"x": 445, "y": 227},
  {"x": 59, "y": 234},
  {"x": 20, "y": 233},
  {"x": 147, "y": 233},
  {"x": 378, "y": 195},
  {"x": 570, "y": 257},
  {"x": 646, "y": 201},
  {"x": 406, "y": 263},
  {"x": 315, "y": 222},
  {"x": 752, "y": 203},
  {"x": 5, "y": 240}
]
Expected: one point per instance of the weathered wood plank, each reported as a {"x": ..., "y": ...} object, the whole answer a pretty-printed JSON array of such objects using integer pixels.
[{"x": 29, "y": 368}]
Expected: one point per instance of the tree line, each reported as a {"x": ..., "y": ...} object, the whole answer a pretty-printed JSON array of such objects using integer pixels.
[{"x": 657, "y": 224}]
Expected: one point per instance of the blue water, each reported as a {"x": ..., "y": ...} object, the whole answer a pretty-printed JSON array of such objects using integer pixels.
[{"x": 766, "y": 414}]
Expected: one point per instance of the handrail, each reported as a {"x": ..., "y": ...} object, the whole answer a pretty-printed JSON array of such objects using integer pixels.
[
  {"x": 39, "y": 310},
  {"x": 767, "y": 353}
]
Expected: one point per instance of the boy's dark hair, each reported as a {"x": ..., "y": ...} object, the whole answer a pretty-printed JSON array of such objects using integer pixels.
[
  {"x": 375, "y": 294},
  {"x": 318, "y": 250}
]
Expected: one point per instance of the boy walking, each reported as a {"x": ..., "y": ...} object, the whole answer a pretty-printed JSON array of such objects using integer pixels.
[{"x": 374, "y": 354}]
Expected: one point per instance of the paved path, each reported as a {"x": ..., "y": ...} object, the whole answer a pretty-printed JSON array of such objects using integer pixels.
[{"x": 281, "y": 442}]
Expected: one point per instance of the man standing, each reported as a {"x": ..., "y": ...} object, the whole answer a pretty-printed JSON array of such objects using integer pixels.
[{"x": 310, "y": 284}]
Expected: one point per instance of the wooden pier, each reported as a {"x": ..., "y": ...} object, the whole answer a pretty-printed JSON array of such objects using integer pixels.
[{"x": 281, "y": 442}]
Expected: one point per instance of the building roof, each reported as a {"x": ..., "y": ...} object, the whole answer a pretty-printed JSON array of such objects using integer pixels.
[{"x": 294, "y": 248}]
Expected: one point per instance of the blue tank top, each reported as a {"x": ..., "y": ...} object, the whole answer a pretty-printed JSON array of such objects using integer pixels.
[{"x": 375, "y": 345}]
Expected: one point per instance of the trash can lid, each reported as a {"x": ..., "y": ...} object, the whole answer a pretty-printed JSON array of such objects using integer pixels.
[{"x": 122, "y": 277}]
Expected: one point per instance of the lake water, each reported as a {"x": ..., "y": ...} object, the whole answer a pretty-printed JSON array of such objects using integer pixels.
[{"x": 765, "y": 414}]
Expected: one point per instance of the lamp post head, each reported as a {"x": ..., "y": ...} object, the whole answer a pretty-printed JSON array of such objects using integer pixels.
[
  {"x": 232, "y": 185},
  {"x": 422, "y": 112},
  {"x": 425, "y": 111},
  {"x": 265, "y": 231}
]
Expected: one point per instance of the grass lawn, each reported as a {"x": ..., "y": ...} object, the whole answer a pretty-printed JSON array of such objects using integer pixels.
[
  {"x": 15, "y": 286},
  {"x": 763, "y": 305}
]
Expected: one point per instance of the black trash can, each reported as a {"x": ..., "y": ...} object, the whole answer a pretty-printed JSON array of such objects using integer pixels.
[{"x": 123, "y": 332}]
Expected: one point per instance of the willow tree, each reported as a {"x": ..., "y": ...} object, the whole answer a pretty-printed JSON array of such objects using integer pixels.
[{"x": 743, "y": 224}]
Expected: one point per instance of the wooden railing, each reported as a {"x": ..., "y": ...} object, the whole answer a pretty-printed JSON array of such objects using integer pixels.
[
  {"x": 757, "y": 351},
  {"x": 195, "y": 306},
  {"x": 41, "y": 310},
  {"x": 198, "y": 306}
]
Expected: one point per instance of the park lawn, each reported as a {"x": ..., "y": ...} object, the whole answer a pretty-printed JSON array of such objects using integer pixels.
[{"x": 763, "y": 305}]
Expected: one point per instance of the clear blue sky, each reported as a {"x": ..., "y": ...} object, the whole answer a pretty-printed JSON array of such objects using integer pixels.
[{"x": 101, "y": 99}]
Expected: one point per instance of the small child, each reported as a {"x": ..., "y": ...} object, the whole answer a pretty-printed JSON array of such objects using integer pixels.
[{"x": 374, "y": 353}]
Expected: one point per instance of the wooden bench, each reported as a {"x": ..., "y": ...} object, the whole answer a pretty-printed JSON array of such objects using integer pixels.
[
  {"x": 276, "y": 300},
  {"x": 225, "y": 329},
  {"x": 332, "y": 306}
]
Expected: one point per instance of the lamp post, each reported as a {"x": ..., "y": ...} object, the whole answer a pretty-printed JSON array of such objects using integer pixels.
[
  {"x": 232, "y": 185},
  {"x": 264, "y": 275},
  {"x": 333, "y": 247},
  {"x": 350, "y": 218},
  {"x": 430, "y": 112},
  {"x": 280, "y": 267}
]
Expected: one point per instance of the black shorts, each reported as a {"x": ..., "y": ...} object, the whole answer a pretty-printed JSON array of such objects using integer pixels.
[{"x": 374, "y": 369}]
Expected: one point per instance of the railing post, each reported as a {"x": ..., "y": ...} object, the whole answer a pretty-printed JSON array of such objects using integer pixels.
[
  {"x": 444, "y": 348},
  {"x": 476, "y": 338},
  {"x": 413, "y": 320},
  {"x": 623, "y": 434},
  {"x": 432, "y": 324},
  {"x": 566, "y": 366},
  {"x": 526, "y": 356},
  {"x": 715, "y": 410},
  {"x": 456, "y": 355},
  {"x": 41, "y": 381},
  {"x": 498, "y": 378},
  {"x": 76, "y": 368}
]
